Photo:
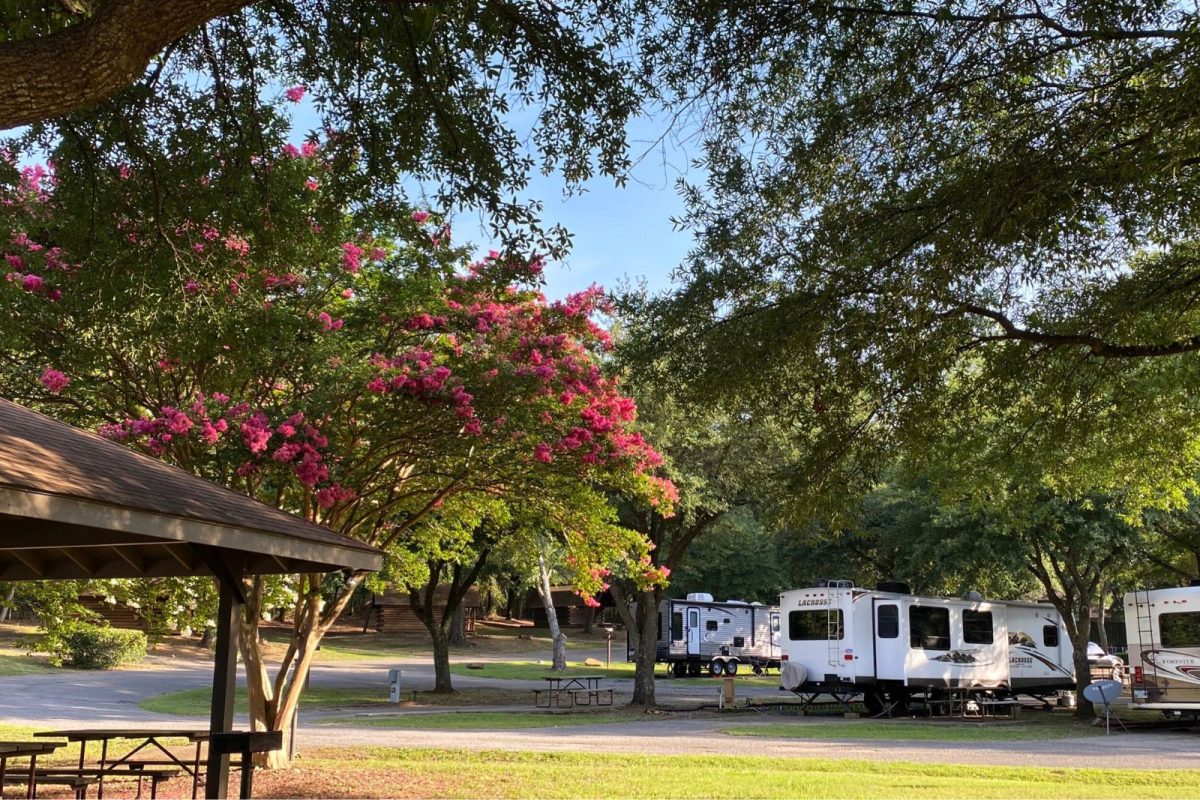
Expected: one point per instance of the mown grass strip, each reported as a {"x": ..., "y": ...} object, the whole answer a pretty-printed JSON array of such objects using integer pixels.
[{"x": 391, "y": 772}]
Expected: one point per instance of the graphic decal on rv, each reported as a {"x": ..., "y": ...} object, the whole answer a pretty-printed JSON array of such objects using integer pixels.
[
  {"x": 1024, "y": 656},
  {"x": 1174, "y": 664},
  {"x": 972, "y": 657}
]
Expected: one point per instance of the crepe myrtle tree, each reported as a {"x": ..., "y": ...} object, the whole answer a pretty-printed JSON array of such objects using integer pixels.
[{"x": 361, "y": 377}]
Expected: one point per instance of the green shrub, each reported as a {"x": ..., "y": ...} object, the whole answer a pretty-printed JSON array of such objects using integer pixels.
[{"x": 95, "y": 647}]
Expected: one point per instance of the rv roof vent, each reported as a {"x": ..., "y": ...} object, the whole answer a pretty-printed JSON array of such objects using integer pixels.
[
  {"x": 700, "y": 597},
  {"x": 733, "y": 602},
  {"x": 897, "y": 587},
  {"x": 973, "y": 596},
  {"x": 755, "y": 603}
]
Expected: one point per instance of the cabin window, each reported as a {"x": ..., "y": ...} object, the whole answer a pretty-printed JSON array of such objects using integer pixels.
[
  {"x": 1180, "y": 629},
  {"x": 815, "y": 625},
  {"x": 929, "y": 628},
  {"x": 711, "y": 625},
  {"x": 677, "y": 626},
  {"x": 739, "y": 641},
  {"x": 976, "y": 627},
  {"x": 887, "y": 621},
  {"x": 1050, "y": 636}
]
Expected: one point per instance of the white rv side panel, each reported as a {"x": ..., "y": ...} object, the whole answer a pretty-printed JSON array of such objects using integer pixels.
[{"x": 1163, "y": 629}]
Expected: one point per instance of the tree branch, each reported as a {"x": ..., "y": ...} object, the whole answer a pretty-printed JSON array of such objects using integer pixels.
[
  {"x": 1094, "y": 344},
  {"x": 46, "y": 76}
]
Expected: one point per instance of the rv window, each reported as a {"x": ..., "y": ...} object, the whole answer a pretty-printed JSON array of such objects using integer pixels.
[
  {"x": 1180, "y": 630},
  {"x": 739, "y": 641},
  {"x": 887, "y": 621},
  {"x": 711, "y": 625},
  {"x": 1050, "y": 635},
  {"x": 976, "y": 627},
  {"x": 929, "y": 628},
  {"x": 815, "y": 625},
  {"x": 677, "y": 626},
  {"x": 774, "y": 623}
]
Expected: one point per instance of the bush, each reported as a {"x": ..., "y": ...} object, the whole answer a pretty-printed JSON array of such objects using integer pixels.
[{"x": 95, "y": 647}]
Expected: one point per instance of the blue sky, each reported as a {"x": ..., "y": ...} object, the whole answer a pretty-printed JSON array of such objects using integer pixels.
[{"x": 620, "y": 234}]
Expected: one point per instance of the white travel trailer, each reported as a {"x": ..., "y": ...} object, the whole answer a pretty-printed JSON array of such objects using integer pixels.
[
  {"x": 1040, "y": 657},
  {"x": 892, "y": 647},
  {"x": 699, "y": 634},
  {"x": 1163, "y": 630}
]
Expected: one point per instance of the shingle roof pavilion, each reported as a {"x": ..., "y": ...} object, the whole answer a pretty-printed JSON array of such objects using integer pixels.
[{"x": 75, "y": 505}]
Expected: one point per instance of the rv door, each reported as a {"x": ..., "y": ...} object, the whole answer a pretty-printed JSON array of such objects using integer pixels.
[
  {"x": 891, "y": 643},
  {"x": 693, "y": 631},
  {"x": 775, "y": 633}
]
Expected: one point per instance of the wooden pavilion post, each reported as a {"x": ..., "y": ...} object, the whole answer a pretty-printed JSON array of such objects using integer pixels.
[{"x": 229, "y": 611}]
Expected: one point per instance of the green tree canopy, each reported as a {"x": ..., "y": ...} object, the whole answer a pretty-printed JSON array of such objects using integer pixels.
[{"x": 921, "y": 219}]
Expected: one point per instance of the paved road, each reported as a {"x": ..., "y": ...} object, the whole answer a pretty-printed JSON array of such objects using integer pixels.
[
  {"x": 1152, "y": 750},
  {"x": 98, "y": 699},
  {"x": 85, "y": 698}
]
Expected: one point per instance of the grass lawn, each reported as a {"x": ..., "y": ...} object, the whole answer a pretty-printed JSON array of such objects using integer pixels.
[
  {"x": 15, "y": 662},
  {"x": 393, "y": 772},
  {"x": 914, "y": 730},
  {"x": 532, "y": 671},
  {"x": 195, "y": 702},
  {"x": 198, "y": 702},
  {"x": 492, "y": 720}
]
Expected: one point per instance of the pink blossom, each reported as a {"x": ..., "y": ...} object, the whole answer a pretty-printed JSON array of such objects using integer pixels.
[
  {"x": 291, "y": 151},
  {"x": 542, "y": 453},
  {"x": 256, "y": 432},
  {"x": 53, "y": 380},
  {"x": 32, "y": 283},
  {"x": 237, "y": 244},
  {"x": 348, "y": 294},
  {"x": 198, "y": 247},
  {"x": 351, "y": 257},
  {"x": 286, "y": 453},
  {"x": 295, "y": 93},
  {"x": 420, "y": 216},
  {"x": 378, "y": 254},
  {"x": 309, "y": 149},
  {"x": 312, "y": 185}
]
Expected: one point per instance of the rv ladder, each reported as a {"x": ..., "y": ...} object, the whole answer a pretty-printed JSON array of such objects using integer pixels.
[
  {"x": 1145, "y": 631},
  {"x": 832, "y": 628}
]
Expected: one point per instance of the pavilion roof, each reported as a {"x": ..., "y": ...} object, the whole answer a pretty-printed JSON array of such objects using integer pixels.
[{"x": 73, "y": 505}]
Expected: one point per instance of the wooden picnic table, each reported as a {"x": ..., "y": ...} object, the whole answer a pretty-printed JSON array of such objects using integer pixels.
[
  {"x": 130, "y": 764},
  {"x": 20, "y": 750},
  {"x": 575, "y": 687}
]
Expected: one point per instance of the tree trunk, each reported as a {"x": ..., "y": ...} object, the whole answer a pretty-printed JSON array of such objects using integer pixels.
[
  {"x": 441, "y": 660},
  {"x": 1101, "y": 631},
  {"x": 8, "y": 603},
  {"x": 458, "y": 626},
  {"x": 647, "y": 649},
  {"x": 559, "y": 663}
]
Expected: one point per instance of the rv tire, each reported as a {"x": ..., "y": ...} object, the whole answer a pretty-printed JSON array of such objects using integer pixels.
[
  {"x": 715, "y": 668},
  {"x": 731, "y": 667}
]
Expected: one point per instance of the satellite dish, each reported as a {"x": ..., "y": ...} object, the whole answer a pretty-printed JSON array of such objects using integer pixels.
[{"x": 1103, "y": 691}]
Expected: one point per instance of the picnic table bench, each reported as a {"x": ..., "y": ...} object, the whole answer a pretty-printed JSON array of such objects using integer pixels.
[
  {"x": 580, "y": 690},
  {"x": 78, "y": 783},
  {"x": 80, "y": 779},
  {"x": 30, "y": 750},
  {"x": 143, "y": 761}
]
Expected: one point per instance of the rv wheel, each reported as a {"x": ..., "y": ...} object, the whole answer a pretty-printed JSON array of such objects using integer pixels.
[
  {"x": 679, "y": 669},
  {"x": 731, "y": 668},
  {"x": 715, "y": 668}
]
